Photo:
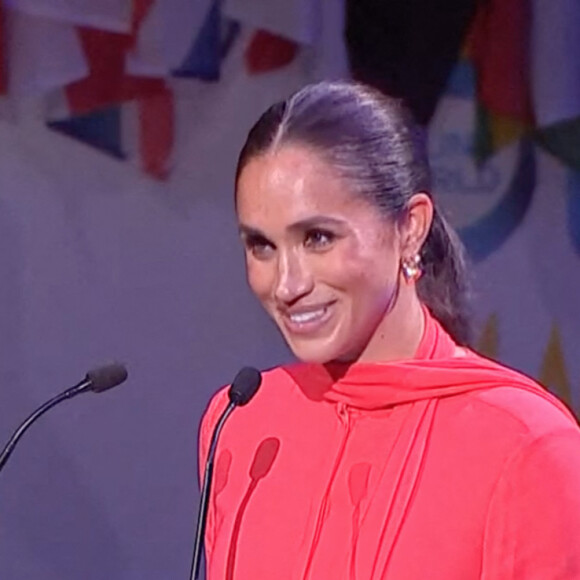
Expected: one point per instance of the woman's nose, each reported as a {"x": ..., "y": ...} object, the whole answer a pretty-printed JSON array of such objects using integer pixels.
[{"x": 294, "y": 278}]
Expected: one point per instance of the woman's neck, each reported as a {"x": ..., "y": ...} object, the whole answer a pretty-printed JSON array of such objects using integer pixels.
[{"x": 399, "y": 334}]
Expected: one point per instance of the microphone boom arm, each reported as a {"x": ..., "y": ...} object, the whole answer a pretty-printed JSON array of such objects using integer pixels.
[
  {"x": 98, "y": 380},
  {"x": 68, "y": 394}
]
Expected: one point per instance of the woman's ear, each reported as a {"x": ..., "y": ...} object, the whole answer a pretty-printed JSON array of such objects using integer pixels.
[{"x": 416, "y": 224}]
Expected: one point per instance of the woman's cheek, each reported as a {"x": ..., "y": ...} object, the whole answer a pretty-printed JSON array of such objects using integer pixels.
[
  {"x": 259, "y": 278},
  {"x": 341, "y": 271}
]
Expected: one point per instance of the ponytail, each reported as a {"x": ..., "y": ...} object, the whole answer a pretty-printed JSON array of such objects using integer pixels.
[{"x": 444, "y": 286}]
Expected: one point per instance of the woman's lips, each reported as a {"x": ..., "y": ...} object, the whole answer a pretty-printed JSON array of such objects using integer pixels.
[{"x": 307, "y": 320}]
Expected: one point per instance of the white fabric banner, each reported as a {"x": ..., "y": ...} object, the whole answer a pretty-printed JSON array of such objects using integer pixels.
[
  {"x": 166, "y": 35},
  {"x": 113, "y": 15},
  {"x": 43, "y": 54},
  {"x": 556, "y": 60},
  {"x": 329, "y": 56}
]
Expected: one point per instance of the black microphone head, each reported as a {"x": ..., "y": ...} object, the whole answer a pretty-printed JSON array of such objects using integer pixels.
[
  {"x": 106, "y": 377},
  {"x": 245, "y": 386}
]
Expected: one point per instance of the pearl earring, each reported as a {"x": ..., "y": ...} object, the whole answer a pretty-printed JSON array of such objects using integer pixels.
[{"x": 411, "y": 268}]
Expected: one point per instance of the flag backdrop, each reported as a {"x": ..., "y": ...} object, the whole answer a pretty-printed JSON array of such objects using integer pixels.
[
  {"x": 93, "y": 64},
  {"x": 525, "y": 53},
  {"x": 89, "y": 61}
]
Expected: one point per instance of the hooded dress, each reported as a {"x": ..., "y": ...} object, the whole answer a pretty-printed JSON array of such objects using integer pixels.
[{"x": 447, "y": 466}]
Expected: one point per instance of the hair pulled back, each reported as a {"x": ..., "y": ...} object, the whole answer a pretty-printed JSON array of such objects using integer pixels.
[{"x": 371, "y": 140}]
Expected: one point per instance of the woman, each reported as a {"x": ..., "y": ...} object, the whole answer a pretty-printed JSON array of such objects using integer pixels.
[{"x": 392, "y": 451}]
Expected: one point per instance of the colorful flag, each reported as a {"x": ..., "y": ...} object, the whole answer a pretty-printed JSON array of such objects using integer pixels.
[
  {"x": 101, "y": 130},
  {"x": 104, "y": 68},
  {"x": 528, "y": 75},
  {"x": 89, "y": 111},
  {"x": 267, "y": 52},
  {"x": 553, "y": 373},
  {"x": 498, "y": 45},
  {"x": 296, "y": 20},
  {"x": 204, "y": 57},
  {"x": 282, "y": 27},
  {"x": 166, "y": 35},
  {"x": 107, "y": 82},
  {"x": 556, "y": 77},
  {"x": 488, "y": 343}
]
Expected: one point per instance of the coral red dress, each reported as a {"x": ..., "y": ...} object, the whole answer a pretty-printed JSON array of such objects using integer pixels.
[{"x": 444, "y": 467}]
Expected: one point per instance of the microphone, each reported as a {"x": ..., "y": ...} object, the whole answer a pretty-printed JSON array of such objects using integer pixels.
[
  {"x": 244, "y": 387},
  {"x": 97, "y": 380}
]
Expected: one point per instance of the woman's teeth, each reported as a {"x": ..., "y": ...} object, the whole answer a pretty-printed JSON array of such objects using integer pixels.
[{"x": 307, "y": 316}]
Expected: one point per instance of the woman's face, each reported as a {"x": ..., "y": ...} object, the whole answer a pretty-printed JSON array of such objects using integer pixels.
[{"x": 323, "y": 262}]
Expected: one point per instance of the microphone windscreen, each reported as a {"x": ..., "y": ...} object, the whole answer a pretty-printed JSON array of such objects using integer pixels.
[
  {"x": 106, "y": 377},
  {"x": 245, "y": 386}
]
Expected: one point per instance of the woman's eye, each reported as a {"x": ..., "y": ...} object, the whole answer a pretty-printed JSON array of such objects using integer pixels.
[
  {"x": 319, "y": 238},
  {"x": 259, "y": 247}
]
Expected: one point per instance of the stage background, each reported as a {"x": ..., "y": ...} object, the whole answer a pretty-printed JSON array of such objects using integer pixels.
[{"x": 100, "y": 260}]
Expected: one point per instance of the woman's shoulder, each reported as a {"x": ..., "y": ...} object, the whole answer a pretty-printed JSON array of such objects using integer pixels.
[
  {"x": 520, "y": 400},
  {"x": 536, "y": 412}
]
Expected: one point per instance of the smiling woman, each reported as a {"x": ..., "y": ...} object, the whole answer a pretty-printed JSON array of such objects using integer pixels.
[
  {"x": 400, "y": 452},
  {"x": 331, "y": 144},
  {"x": 324, "y": 263}
]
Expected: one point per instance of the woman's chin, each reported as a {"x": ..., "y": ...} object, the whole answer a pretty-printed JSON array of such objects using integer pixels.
[{"x": 314, "y": 353}]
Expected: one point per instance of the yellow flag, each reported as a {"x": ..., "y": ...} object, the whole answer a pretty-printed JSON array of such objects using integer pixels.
[
  {"x": 553, "y": 373},
  {"x": 488, "y": 343}
]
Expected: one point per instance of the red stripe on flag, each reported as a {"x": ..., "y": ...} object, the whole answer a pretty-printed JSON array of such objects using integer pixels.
[
  {"x": 499, "y": 47},
  {"x": 156, "y": 113},
  {"x": 141, "y": 9},
  {"x": 107, "y": 83},
  {"x": 156, "y": 116},
  {"x": 267, "y": 52}
]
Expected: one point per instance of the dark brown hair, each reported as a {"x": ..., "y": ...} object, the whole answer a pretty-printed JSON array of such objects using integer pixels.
[{"x": 373, "y": 142}]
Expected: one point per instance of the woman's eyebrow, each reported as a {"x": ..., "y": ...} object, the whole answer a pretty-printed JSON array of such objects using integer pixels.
[
  {"x": 298, "y": 226},
  {"x": 249, "y": 231},
  {"x": 315, "y": 221}
]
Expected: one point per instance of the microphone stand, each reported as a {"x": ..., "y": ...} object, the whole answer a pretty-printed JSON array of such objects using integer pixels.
[
  {"x": 242, "y": 389},
  {"x": 205, "y": 492}
]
